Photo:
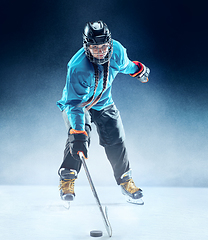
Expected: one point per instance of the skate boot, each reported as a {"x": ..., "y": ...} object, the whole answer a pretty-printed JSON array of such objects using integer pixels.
[
  {"x": 66, "y": 187},
  {"x": 132, "y": 193}
]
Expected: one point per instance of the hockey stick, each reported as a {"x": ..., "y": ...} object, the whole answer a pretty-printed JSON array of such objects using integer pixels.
[{"x": 104, "y": 214}]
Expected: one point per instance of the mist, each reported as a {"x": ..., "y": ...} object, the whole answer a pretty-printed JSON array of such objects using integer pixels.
[{"x": 165, "y": 120}]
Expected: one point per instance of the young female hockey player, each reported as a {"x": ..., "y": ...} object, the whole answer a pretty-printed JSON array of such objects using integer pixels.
[{"x": 87, "y": 98}]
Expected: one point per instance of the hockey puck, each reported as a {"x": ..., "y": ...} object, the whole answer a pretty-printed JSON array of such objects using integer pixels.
[{"x": 96, "y": 233}]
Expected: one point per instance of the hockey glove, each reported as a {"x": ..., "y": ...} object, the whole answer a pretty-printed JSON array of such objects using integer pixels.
[
  {"x": 143, "y": 72},
  {"x": 78, "y": 142}
]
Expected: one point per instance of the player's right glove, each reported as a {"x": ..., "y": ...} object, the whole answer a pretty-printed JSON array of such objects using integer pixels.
[
  {"x": 78, "y": 142},
  {"x": 142, "y": 74}
]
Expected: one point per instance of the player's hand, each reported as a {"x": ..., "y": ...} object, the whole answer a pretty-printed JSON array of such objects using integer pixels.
[
  {"x": 78, "y": 142},
  {"x": 143, "y": 73}
]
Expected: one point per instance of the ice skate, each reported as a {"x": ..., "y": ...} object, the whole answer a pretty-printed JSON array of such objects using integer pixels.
[
  {"x": 132, "y": 193},
  {"x": 66, "y": 187}
]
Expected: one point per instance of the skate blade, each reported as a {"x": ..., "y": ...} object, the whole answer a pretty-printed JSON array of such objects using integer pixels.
[
  {"x": 134, "y": 201},
  {"x": 66, "y": 204}
]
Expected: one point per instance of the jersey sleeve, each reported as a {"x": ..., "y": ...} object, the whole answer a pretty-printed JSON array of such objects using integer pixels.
[
  {"x": 125, "y": 65},
  {"x": 74, "y": 93}
]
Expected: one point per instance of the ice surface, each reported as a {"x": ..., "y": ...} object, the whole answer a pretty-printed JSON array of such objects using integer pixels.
[{"x": 36, "y": 212}]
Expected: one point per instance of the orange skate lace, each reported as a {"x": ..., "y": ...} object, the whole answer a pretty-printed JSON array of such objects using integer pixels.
[
  {"x": 130, "y": 186},
  {"x": 67, "y": 186}
]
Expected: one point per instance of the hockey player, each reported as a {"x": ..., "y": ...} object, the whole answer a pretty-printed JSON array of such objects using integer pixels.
[{"x": 87, "y": 99}]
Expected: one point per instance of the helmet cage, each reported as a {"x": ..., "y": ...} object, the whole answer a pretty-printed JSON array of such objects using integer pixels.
[{"x": 96, "y": 36}]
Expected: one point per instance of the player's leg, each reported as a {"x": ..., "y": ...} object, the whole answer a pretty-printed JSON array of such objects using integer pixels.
[
  {"x": 111, "y": 134},
  {"x": 70, "y": 167}
]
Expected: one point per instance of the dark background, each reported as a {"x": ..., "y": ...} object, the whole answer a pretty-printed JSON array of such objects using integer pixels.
[{"x": 165, "y": 120}]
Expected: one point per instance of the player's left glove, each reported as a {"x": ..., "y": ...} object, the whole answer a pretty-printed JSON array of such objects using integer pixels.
[
  {"x": 78, "y": 142},
  {"x": 143, "y": 72}
]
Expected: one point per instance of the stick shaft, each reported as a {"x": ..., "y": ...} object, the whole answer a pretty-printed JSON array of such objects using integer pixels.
[{"x": 104, "y": 215}]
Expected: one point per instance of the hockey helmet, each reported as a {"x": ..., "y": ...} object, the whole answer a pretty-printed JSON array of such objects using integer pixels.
[{"x": 97, "y": 33}]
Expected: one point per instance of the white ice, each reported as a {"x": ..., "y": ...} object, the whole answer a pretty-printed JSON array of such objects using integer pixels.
[{"x": 37, "y": 213}]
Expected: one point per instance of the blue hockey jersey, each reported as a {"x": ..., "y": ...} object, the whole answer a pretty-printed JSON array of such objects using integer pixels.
[{"x": 80, "y": 83}]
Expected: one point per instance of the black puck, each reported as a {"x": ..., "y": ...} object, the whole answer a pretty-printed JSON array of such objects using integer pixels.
[{"x": 96, "y": 233}]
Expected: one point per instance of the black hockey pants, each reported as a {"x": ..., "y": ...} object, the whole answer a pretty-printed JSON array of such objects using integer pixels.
[{"x": 111, "y": 136}]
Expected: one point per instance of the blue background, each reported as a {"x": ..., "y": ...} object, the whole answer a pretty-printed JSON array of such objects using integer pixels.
[{"x": 165, "y": 120}]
